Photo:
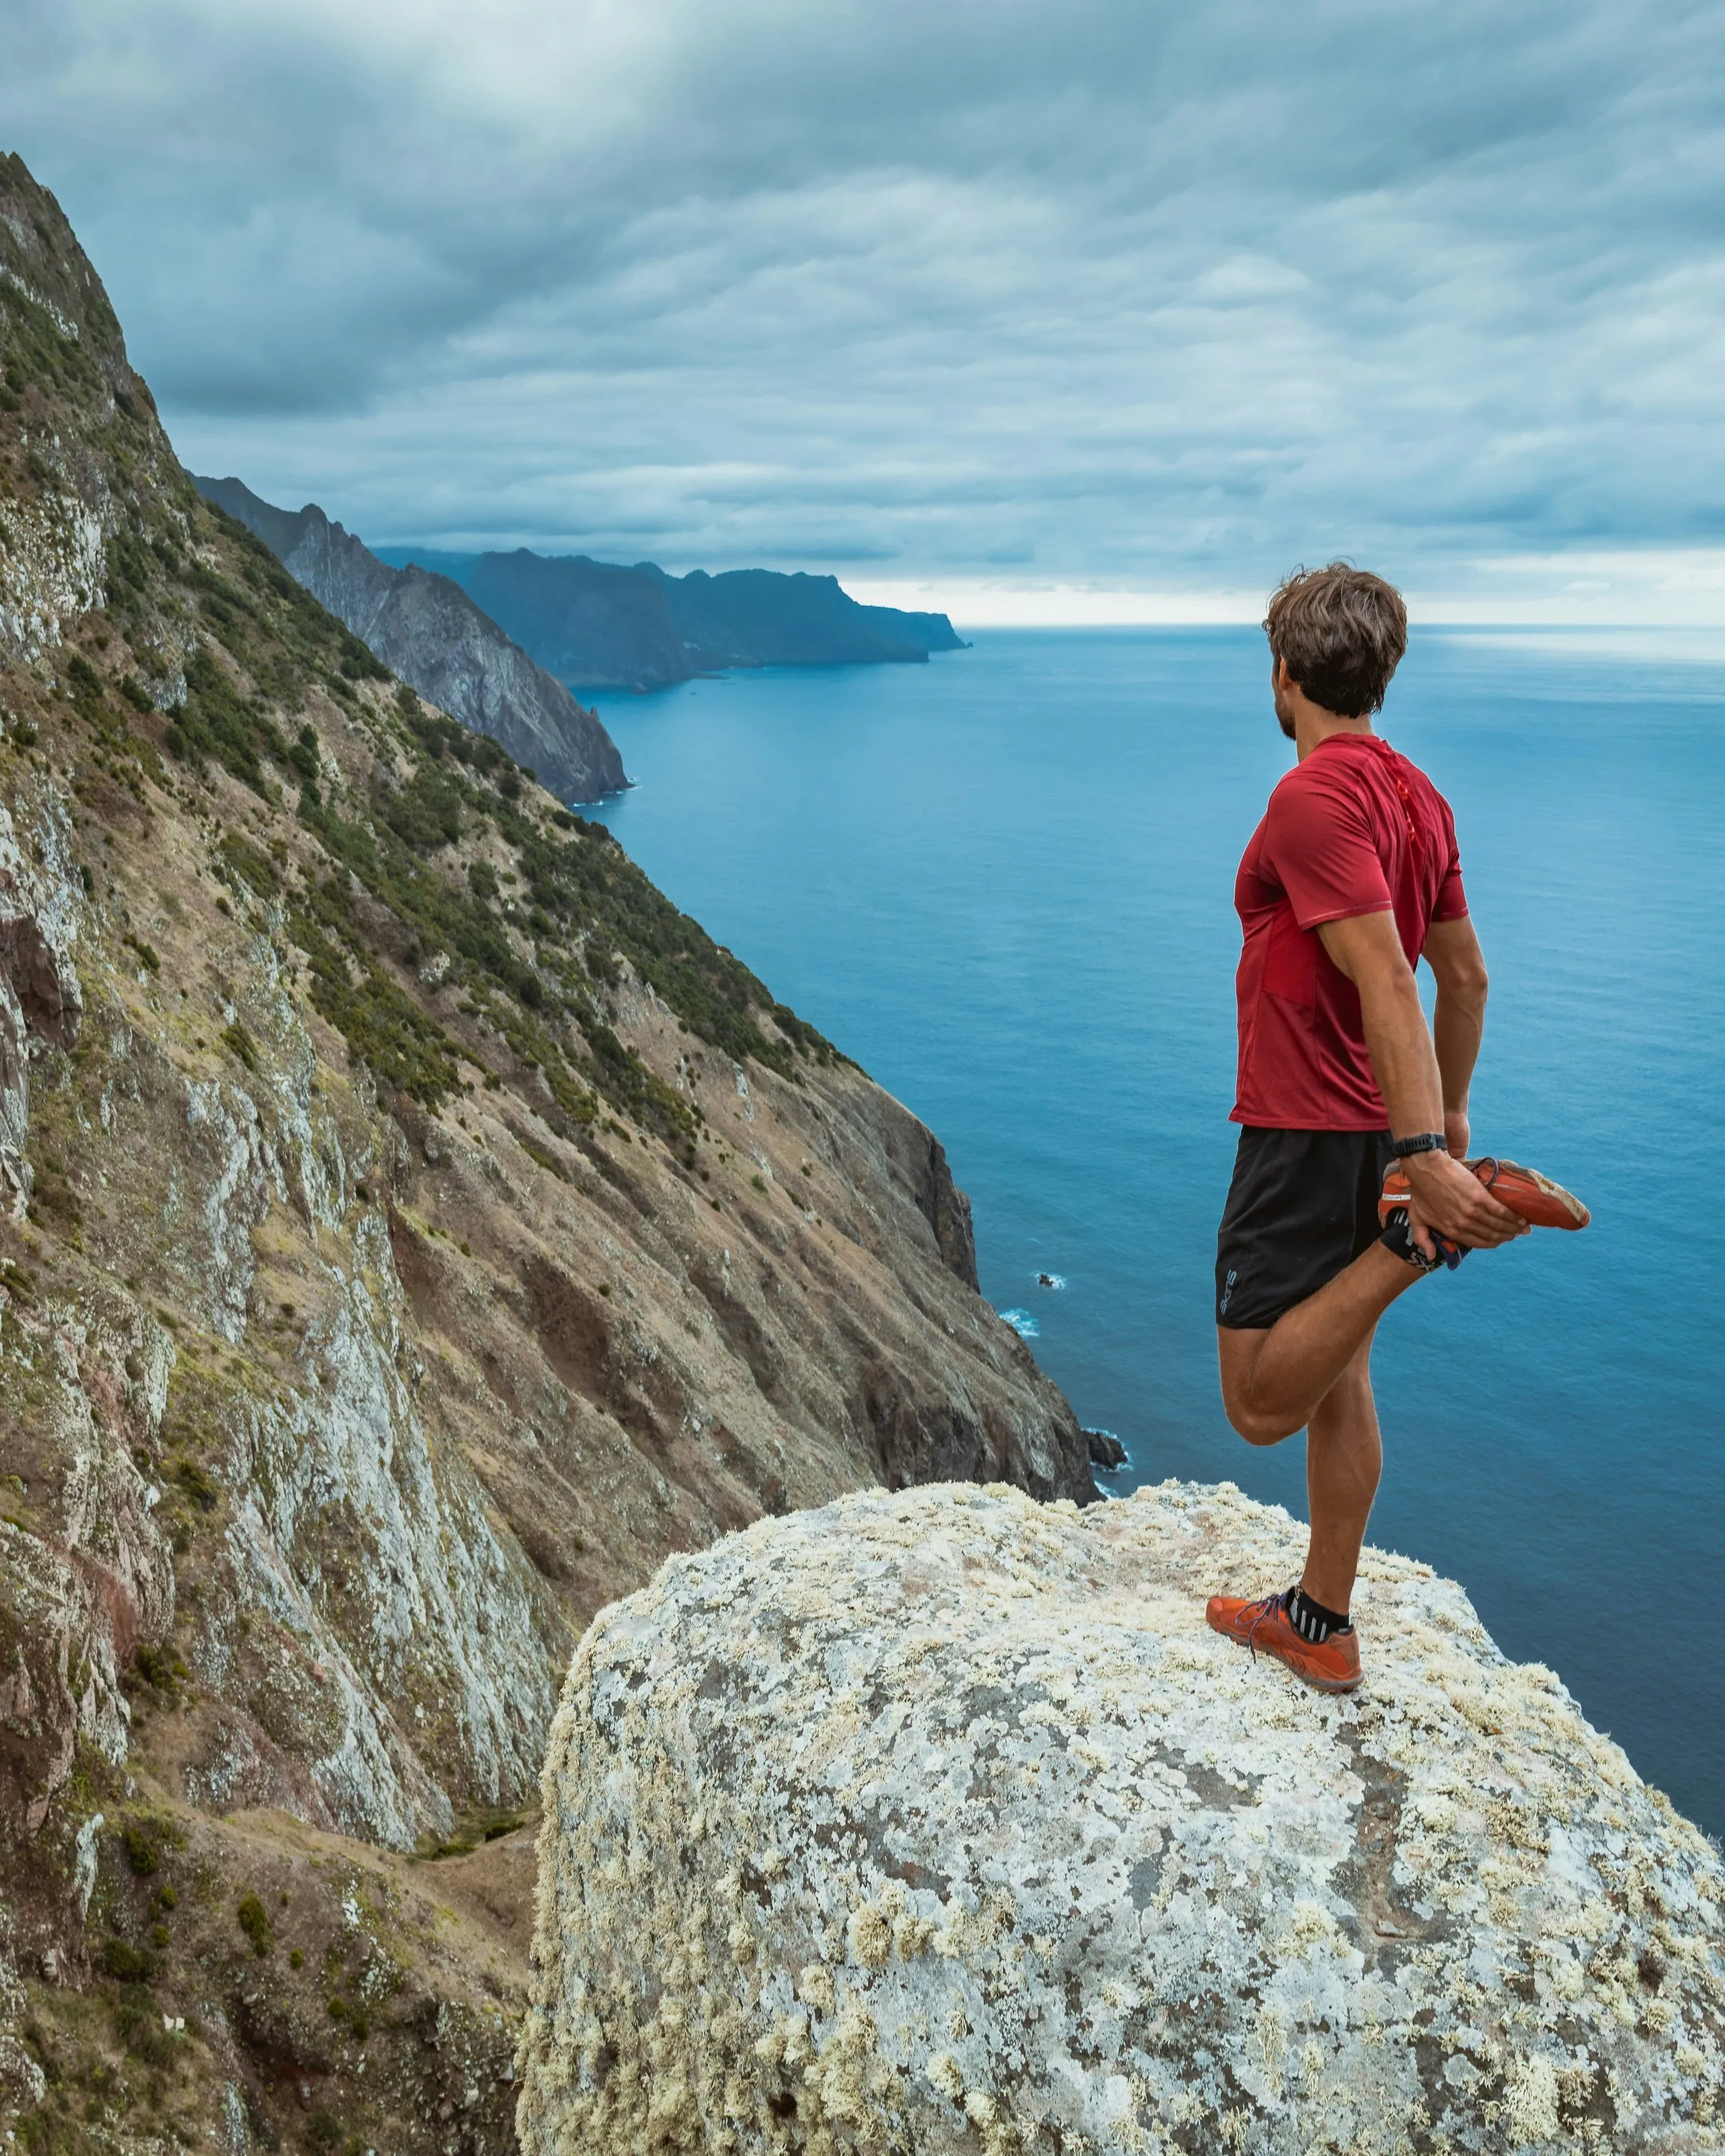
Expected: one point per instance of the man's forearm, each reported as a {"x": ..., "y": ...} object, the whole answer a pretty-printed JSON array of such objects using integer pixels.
[
  {"x": 1444, "y": 1197},
  {"x": 1404, "y": 1061},
  {"x": 1458, "y": 1025}
]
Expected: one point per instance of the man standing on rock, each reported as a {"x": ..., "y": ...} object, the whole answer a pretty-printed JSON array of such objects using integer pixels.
[{"x": 1352, "y": 1180}]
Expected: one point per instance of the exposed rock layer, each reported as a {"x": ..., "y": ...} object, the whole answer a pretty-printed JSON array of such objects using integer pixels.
[
  {"x": 427, "y": 630},
  {"x": 942, "y": 1822}
]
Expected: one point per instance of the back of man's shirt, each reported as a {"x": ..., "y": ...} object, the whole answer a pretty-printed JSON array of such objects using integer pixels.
[{"x": 1355, "y": 828}]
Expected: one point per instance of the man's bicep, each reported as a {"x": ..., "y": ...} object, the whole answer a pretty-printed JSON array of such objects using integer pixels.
[{"x": 1367, "y": 946}]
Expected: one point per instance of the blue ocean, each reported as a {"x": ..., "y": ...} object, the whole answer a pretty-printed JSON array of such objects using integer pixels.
[{"x": 1003, "y": 882}]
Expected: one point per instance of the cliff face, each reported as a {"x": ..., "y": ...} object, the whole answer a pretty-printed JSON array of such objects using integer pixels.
[
  {"x": 943, "y": 1822},
  {"x": 427, "y": 630},
  {"x": 414, "y": 1229}
]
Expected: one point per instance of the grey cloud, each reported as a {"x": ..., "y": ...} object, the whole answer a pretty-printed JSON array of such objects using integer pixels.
[{"x": 1101, "y": 288}]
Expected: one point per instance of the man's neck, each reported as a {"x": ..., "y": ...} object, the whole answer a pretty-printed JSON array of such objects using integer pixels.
[{"x": 1312, "y": 724}]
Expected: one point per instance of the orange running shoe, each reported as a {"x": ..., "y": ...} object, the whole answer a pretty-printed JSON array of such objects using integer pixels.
[
  {"x": 1535, "y": 1197},
  {"x": 1333, "y": 1667}
]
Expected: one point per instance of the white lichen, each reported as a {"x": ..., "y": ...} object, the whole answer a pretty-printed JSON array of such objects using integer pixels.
[{"x": 1052, "y": 1865}]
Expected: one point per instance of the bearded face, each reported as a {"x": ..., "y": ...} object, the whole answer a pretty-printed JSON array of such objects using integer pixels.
[{"x": 1283, "y": 702}]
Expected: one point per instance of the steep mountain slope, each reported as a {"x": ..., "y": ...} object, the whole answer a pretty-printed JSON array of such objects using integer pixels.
[
  {"x": 415, "y": 1230},
  {"x": 427, "y": 630}
]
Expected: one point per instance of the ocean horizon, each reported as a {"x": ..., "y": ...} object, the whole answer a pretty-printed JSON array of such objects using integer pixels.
[{"x": 1002, "y": 882}]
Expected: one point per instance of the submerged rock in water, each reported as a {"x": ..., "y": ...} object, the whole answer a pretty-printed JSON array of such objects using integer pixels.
[
  {"x": 941, "y": 1821},
  {"x": 1106, "y": 1449}
]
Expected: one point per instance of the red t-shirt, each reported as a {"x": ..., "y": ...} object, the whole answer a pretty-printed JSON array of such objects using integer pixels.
[{"x": 1355, "y": 828}]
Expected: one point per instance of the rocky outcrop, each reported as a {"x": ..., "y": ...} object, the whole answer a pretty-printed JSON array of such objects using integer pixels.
[
  {"x": 430, "y": 633},
  {"x": 942, "y": 1822},
  {"x": 50, "y": 565}
]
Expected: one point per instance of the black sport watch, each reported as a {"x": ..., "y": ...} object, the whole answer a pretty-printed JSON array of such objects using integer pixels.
[{"x": 1425, "y": 1141}]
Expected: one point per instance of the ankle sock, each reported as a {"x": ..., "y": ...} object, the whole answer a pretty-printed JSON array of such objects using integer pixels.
[
  {"x": 1397, "y": 1239},
  {"x": 1310, "y": 1619}
]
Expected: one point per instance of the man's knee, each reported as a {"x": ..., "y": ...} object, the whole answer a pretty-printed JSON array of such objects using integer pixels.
[
  {"x": 1252, "y": 1424},
  {"x": 1237, "y": 1352}
]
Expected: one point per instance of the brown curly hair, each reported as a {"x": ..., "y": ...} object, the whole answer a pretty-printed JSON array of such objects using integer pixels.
[{"x": 1342, "y": 632}]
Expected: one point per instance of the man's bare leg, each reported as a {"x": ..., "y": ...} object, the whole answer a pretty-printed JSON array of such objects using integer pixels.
[
  {"x": 1344, "y": 1458},
  {"x": 1274, "y": 1376}
]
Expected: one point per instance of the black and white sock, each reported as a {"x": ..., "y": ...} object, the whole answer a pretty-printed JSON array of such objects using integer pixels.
[
  {"x": 1398, "y": 1239},
  {"x": 1310, "y": 1619}
]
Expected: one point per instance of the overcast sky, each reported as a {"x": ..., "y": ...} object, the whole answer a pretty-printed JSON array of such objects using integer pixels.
[{"x": 1083, "y": 306}]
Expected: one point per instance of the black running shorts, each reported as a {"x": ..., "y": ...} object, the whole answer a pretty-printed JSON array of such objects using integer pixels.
[{"x": 1302, "y": 1207}]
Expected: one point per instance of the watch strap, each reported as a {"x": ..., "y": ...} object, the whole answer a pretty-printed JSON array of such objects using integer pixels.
[{"x": 1422, "y": 1142}]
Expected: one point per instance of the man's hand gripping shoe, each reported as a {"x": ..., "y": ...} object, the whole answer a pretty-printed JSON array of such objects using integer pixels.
[{"x": 1538, "y": 1200}]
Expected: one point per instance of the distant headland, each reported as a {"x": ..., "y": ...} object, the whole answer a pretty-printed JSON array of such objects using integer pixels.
[{"x": 600, "y": 625}]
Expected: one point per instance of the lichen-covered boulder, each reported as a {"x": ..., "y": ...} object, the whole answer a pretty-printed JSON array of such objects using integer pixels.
[{"x": 941, "y": 1821}]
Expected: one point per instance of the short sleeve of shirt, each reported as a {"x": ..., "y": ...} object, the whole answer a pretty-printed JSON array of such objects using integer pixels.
[
  {"x": 1319, "y": 845},
  {"x": 1451, "y": 898}
]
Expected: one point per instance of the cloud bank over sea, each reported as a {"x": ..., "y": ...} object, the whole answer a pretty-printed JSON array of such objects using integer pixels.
[{"x": 1137, "y": 303}]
